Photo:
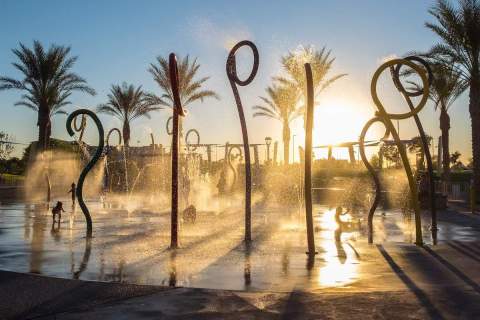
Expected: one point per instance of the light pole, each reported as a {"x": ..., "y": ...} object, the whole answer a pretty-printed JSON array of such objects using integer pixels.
[{"x": 268, "y": 142}]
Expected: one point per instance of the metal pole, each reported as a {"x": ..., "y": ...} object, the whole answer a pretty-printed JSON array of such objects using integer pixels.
[
  {"x": 177, "y": 111},
  {"x": 308, "y": 162}
]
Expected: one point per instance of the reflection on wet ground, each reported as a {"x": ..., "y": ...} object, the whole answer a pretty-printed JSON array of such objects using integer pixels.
[{"x": 133, "y": 247}]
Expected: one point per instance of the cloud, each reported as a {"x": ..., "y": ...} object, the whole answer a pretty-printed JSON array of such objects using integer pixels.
[
  {"x": 386, "y": 58},
  {"x": 209, "y": 34}
]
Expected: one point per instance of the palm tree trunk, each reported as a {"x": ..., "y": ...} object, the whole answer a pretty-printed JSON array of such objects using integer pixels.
[
  {"x": 286, "y": 142},
  {"x": 126, "y": 133},
  {"x": 43, "y": 129},
  {"x": 445, "y": 127},
  {"x": 474, "y": 107}
]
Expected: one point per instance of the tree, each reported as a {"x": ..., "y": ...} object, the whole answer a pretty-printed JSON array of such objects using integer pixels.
[
  {"x": 454, "y": 158},
  {"x": 416, "y": 147},
  {"x": 446, "y": 87},
  {"x": 390, "y": 153},
  {"x": 6, "y": 146},
  {"x": 47, "y": 83},
  {"x": 190, "y": 88},
  {"x": 321, "y": 63},
  {"x": 127, "y": 103},
  {"x": 281, "y": 104},
  {"x": 459, "y": 28}
]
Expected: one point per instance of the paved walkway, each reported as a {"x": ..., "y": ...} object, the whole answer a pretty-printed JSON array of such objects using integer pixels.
[
  {"x": 346, "y": 280},
  {"x": 406, "y": 282}
]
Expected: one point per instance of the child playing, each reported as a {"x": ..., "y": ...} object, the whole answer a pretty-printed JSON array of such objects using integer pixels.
[
  {"x": 72, "y": 190},
  {"x": 57, "y": 210}
]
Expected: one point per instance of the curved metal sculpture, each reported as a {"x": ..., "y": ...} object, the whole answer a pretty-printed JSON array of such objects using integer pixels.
[
  {"x": 395, "y": 71},
  {"x": 90, "y": 164},
  {"x": 386, "y": 118},
  {"x": 229, "y": 162},
  {"x": 371, "y": 170},
  {"x": 177, "y": 111},
  {"x": 80, "y": 128},
  {"x": 231, "y": 68},
  {"x": 167, "y": 126},
  {"x": 308, "y": 162},
  {"x": 107, "y": 141},
  {"x": 190, "y": 146}
]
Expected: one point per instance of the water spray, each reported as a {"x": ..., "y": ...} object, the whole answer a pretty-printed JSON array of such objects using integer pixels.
[
  {"x": 90, "y": 164},
  {"x": 231, "y": 68}
]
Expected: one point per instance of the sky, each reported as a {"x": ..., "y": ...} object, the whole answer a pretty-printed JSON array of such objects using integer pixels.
[{"x": 116, "y": 41}]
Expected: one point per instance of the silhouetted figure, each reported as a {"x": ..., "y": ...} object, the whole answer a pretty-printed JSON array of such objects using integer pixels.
[
  {"x": 57, "y": 210},
  {"x": 72, "y": 190},
  {"x": 190, "y": 214},
  {"x": 338, "y": 231},
  {"x": 222, "y": 183}
]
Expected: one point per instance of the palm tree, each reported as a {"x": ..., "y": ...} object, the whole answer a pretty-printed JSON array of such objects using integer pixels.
[
  {"x": 321, "y": 62},
  {"x": 127, "y": 103},
  {"x": 281, "y": 104},
  {"x": 47, "y": 81},
  {"x": 416, "y": 147},
  {"x": 445, "y": 88},
  {"x": 190, "y": 89},
  {"x": 458, "y": 28}
]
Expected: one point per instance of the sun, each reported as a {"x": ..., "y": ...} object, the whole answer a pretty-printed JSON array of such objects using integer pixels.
[{"x": 337, "y": 121}]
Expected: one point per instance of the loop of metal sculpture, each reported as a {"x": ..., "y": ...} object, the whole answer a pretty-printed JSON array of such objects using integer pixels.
[
  {"x": 308, "y": 162},
  {"x": 80, "y": 128},
  {"x": 386, "y": 118},
  {"x": 167, "y": 126},
  {"x": 119, "y": 136},
  {"x": 229, "y": 162},
  {"x": 395, "y": 71},
  {"x": 371, "y": 170},
  {"x": 90, "y": 164},
  {"x": 107, "y": 142},
  {"x": 231, "y": 68},
  {"x": 177, "y": 111},
  {"x": 191, "y": 147}
]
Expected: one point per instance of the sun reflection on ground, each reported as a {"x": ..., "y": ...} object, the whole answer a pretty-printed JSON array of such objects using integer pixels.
[{"x": 340, "y": 264}]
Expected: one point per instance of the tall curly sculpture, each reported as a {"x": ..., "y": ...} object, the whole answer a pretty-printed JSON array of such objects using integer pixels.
[
  {"x": 386, "y": 118},
  {"x": 231, "y": 67},
  {"x": 90, "y": 164},
  {"x": 408, "y": 94}
]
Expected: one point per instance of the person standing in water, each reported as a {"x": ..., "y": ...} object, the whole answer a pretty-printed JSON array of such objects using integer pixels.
[{"x": 73, "y": 190}]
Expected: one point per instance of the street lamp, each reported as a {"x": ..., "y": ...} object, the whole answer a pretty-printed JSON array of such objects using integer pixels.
[{"x": 268, "y": 141}]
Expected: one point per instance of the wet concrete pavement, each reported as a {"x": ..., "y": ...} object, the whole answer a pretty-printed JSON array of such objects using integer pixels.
[
  {"x": 407, "y": 282},
  {"x": 392, "y": 279}
]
